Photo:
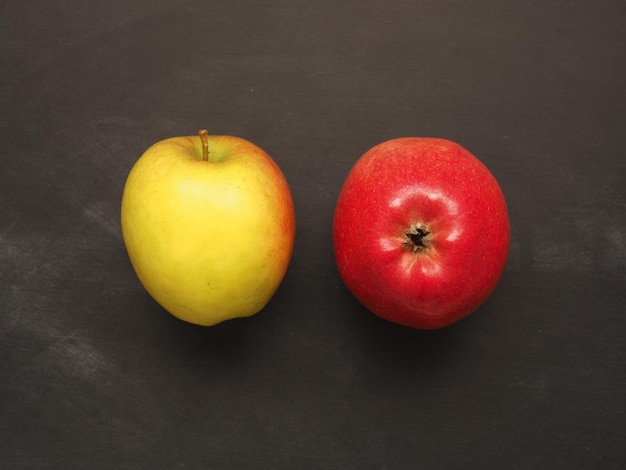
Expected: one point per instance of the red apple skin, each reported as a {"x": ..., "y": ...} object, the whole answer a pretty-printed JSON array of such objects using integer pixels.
[{"x": 440, "y": 187}]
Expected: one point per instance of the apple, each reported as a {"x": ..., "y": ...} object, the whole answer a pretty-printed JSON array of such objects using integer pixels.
[
  {"x": 420, "y": 232},
  {"x": 209, "y": 225}
]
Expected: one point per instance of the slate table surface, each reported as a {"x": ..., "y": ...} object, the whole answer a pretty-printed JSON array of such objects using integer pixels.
[{"x": 95, "y": 375}]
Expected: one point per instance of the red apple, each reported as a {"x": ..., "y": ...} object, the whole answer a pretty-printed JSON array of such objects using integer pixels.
[{"x": 421, "y": 232}]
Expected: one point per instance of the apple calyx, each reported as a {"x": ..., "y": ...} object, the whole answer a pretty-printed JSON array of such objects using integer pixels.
[
  {"x": 417, "y": 237},
  {"x": 204, "y": 139}
]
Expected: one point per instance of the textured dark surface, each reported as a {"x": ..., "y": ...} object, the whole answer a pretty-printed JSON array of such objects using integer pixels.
[{"x": 94, "y": 374}]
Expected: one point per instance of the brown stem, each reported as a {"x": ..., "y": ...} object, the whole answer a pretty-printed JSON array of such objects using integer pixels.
[{"x": 205, "y": 144}]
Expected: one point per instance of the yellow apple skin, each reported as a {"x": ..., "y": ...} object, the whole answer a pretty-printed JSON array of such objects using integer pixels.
[{"x": 209, "y": 240}]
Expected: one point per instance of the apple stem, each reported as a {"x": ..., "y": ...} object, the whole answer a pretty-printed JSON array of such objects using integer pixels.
[{"x": 205, "y": 144}]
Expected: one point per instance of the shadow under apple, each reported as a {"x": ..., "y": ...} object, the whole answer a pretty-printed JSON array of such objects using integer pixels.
[{"x": 387, "y": 349}]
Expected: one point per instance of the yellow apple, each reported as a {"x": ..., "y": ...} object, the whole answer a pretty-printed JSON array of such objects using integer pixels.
[{"x": 209, "y": 225}]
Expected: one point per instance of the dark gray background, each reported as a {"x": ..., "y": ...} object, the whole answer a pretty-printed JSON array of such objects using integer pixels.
[{"x": 94, "y": 374}]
